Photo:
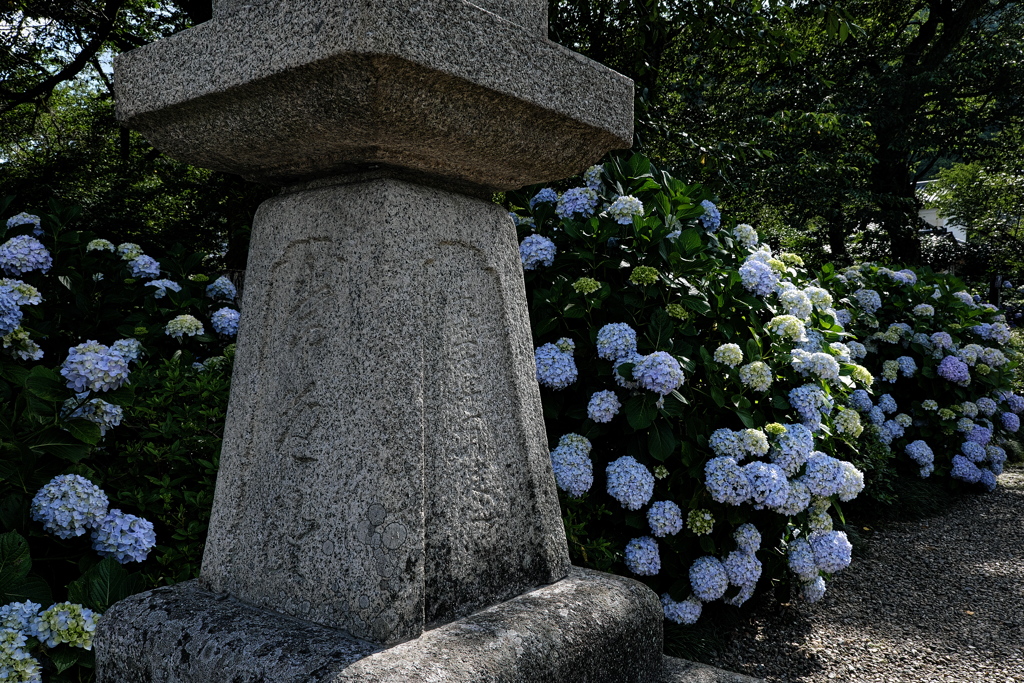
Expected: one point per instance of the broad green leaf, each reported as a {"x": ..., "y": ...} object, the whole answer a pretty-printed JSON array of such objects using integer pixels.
[
  {"x": 85, "y": 431},
  {"x": 64, "y": 657},
  {"x": 30, "y": 588},
  {"x": 661, "y": 442},
  {"x": 718, "y": 397},
  {"x": 640, "y": 412},
  {"x": 46, "y": 384},
  {"x": 105, "y": 584},
  {"x": 15, "y": 562}
]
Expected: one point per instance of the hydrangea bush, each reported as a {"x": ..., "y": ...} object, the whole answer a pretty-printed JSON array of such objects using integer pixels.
[
  {"x": 943, "y": 404},
  {"x": 90, "y": 484},
  {"x": 694, "y": 385}
]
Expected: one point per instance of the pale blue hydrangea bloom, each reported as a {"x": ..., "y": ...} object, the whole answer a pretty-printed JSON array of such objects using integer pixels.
[
  {"x": 876, "y": 416},
  {"x": 800, "y": 559},
  {"x": 634, "y": 359},
  {"x": 974, "y": 452},
  {"x": 852, "y": 484},
  {"x": 18, "y": 616},
  {"x": 726, "y": 481},
  {"x": 708, "y": 578},
  {"x": 21, "y": 293},
  {"x": 642, "y": 557},
  {"x": 942, "y": 340},
  {"x": 100, "y": 245},
  {"x": 603, "y": 406},
  {"x": 630, "y": 483},
  {"x": 129, "y": 251},
  {"x": 987, "y": 406},
  {"x": 993, "y": 358},
  {"x": 659, "y": 372},
  {"x": 665, "y": 518},
  {"x": 746, "y": 235},
  {"x": 756, "y": 375},
  {"x": 574, "y": 472},
  {"x": 905, "y": 276},
  {"x": 987, "y": 478},
  {"x": 747, "y": 537},
  {"x": 555, "y": 368},
  {"x": 921, "y": 453},
  {"x": 711, "y": 218},
  {"x": 518, "y": 220},
  {"x": 857, "y": 350},
  {"x": 729, "y": 354},
  {"x": 966, "y": 299},
  {"x": 10, "y": 313},
  {"x": 969, "y": 354},
  {"x": 843, "y": 317},
  {"x": 768, "y": 484},
  {"x": 615, "y": 341},
  {"x": 1010, "y": 422},
  {"x": 887, "y": 403},
  {"x": 724, "y": 442},
  {"x": 964, "y": 424},
  {"x": 624, "y": 208},
  {"x": 868, "y": 300},
  {"x": 810, "y": 402},
  {"x": 23, "y": 219},
  {"x": 791, "y": 449},
  {"x": 821, "y": 365},
  {"x": 924, "y": 310},
  {"x": 183, "y": 325},
  {"x": 907, "y": 366},
  {"x": 965, "y": 470},
  {"x": 742, "y": 568},
  {"x": 996, "y": 459},
  {"x": 225, "y": 321},
  {"x": 840, "y": 351},
  {"x": 222, "y": 288},
  {"x": 16, "y": 664},
  {"x": 969, "y": 409},
  {"x": 130, "y": 349},
  {"x": 124, "y": 537},
  {"x": 91, "y": 366},
  {"x": 162, "y": 286},
  {"x": 832, "y": 550},
  {"x": 68, "y": 505},
  {"x": 23, "y": 254},
  {"x": 685, "y": 612},
  {"x": 983, "y": 330},
  {"x": 536, "y": 250},
  {"x": 579, "y": 201},
  {"x": 860, "y": 400},
  {"x": 903, "y": 420},
  {"x": 97, "y": 411},
  {"x": 144, "y": 266},
  {"x": 796, "y": 303},
  {"x": 758, "y": 277},
  {"x": 955, "y": 370},
  {"x": 797, "y": 501},
  {"x": 545, "y": 195},
  {"x": 1015, "y": 403},
  {"x": 66, "y": 622},
  {"x": 1000, "y": 332},
  {"x": 889, "y": 431},
  {"x": 592, "y": 177},
  {"x": 824, "y": 475},
  {"x": 813, "y": 591},
  {"x": 848, "y": 422},
  {"x": 788, "y": 327}
]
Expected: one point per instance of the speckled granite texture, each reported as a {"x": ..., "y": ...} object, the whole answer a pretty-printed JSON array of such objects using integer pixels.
[
  {"x": 676, "y": 670},
  {"x": 285, "y": 90},
  {"x": 589, "y": 627},
  {"x": 384, "y": 463}
]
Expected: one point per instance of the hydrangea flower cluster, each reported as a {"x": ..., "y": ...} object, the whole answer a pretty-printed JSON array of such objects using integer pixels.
[
  {"x": 96, "y": 410},
  {"x": 811, "y": 403},
  {"x": 592, "y": 177},
  {"x": 124, "y": 537},
  {"x": 574, "y": 471},
  {"x": 642, "y": 557},
  {"x": 223, "y": 289},
  {"x": 624, "y": 208},
  {"x": 955, "y": 370},
  {"x": 184, "y": 325},
  {"x": 91, "y": 366},
  {"x": 100, "y": 245},
  {"x": 144, "y": 266},
  {"x": 225, "y": 321},
  {"x": 603, "y": 406},
  {"x": 23, "y": 254},
  {"x": 700, "y": 521},
  {"x": 658, "y": 372},
  {"x": 535, "y": 250},
  {"x": 579, "y": 201},
  {"x": 555, "y": 365},
  {"x": 161, "y": 287},
  {"x": 868, "y": 299},
  {"x": 758, "y": 277},
  {"x": 708, "y": 578},
  {"x": 711, "y": 218},
  {"x": 69, "y": 505},
  {"x": 66, "y": 622},
  {"x": 685, "y": 612},
  {"x": 24, "y": 218},
  {"x": 665, "y": 518},
  {"x": 630, "y": 483},
  {"x": 729, "y": 354},
  {"x": 746, "y": 235},
  {"x": 16, "y": 664}
]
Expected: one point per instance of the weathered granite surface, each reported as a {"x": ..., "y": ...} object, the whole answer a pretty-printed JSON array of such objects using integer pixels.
[
  {"x": 286, "y": 90},
  {"x": 384, "y": 463},
  {"x": 675, "y": 670},
  {"x": 587, "y": 627}
]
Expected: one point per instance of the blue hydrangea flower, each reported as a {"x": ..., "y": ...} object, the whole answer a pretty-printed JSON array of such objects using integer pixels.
[
  {"x": 536, "y": 250},
  {"x": 21, "y": 293},
  {"x": 162, "y": 286},
  {"x": 1011, "y": 422},
  {"x": 742, "y": 568},
  {"x": 22, "y": 254},
  {"x": 791, "y": 449},
  {"x": 758, "y": 277},
  {"x": 545, "y": 195},
  {"x": 708, "y": 578},
  {"x": 225, "y": 321},
  {"x": 711, "y": 218},
  {"x": 16, "y": 664},
  {"x": 797, "y": 501},
  {"x": 18, "y": 616},
  {"x": 665, "y": 518},
  {"x": 821, "y": 365},
  {"x": 603, "y": 406},
  {"x": 768, "y": 484},
  {"x": 91, "y": 366},
  {"x": 642, "y": 557},
  {"x": 1015, "y": 402},
  {"x": 685, "y": 612},
  {"x": 579, "y": 201},
  {"x": 747, "y": 538},
  {"x": 615, "y": 341},
  {"x": 987, "y": 406},
  {"x": 810, "y": 402},
  {"x": 942, "y": 340},
  {"x": 980, "y": 435},
  {"x": 800, "y": 559},
  {"x": 144, "y": 266},
  {"x": 574, "y": 472},
  {"x": 98, "y": 411},
  {"x": 23, "y": 219},
  {"x": 624, "y": 208},
  {"x": 555, "y": 368},
  {"x": 223, "y": 289},
  {"x": 630, "y": 483},
  {"x": 68, "y": 505},
  {"x": 887, "y": 404},
  {"x": 10, "y": 313},
  {"x": 852, "y": 483},
  {"x": 907, "y": 366},
  {"x": 129, "y": 349},
  {"x": 868, "y": 300},
  {"x": 860, "y": 400},
  {"x": 184, "y": 325},
  {"x": 876, "y": 416},
  {"x": 726, "y": 481},
  {"x": 974, "y": 452},
  {"x": 633, "y": 359},
  {"x": 987, "y": 478},
  {"x": 965, "y": 470},
  {"x": 921, "y": 453},
  {"x": 746, "y": 235},
  {"x": 66, "y": 622},
  {"x": 813, "y": 591},
  {"x": 124, "y": 537},
  {"x": 659, "y": 372},
  {"x": 592, "y": 177},
  {"x": 129, "y": 251},
  {"x": 824, "y": 475},
  {"x": 832, "y": 550},
  {"x": 955, "y": 370}
]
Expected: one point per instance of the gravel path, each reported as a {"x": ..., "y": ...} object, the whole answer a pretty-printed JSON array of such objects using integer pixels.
[{"x": 935, "y": 601}]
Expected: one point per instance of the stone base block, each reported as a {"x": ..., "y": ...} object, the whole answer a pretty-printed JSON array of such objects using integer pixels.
[
  {"x": 588, "y": 627},
  {"x": 676, "y": 670}
]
